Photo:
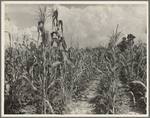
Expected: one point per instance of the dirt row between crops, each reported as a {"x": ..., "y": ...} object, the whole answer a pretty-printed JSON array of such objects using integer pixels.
[{"x": 82, "y": 106}]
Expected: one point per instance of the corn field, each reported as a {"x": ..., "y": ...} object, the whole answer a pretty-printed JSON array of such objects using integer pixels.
[{"x": 40, "y": 78}]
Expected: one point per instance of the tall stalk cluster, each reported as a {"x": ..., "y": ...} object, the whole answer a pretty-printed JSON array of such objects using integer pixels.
[{"x": 120, "y": 75}]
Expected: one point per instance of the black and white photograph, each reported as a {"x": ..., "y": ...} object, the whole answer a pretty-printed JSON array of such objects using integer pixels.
[{"x": 74, "y": 58}]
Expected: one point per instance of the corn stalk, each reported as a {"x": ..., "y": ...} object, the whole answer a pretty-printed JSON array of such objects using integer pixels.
[
  {"x": 113, "y": 40},
  {"x": 44, "y": 81}
]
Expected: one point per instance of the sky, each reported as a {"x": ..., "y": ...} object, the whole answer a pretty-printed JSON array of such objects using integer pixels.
[{"x": 90, "y": 24}]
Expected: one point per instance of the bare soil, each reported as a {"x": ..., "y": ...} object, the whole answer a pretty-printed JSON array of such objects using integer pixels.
[{"x": 82, "y": 105}]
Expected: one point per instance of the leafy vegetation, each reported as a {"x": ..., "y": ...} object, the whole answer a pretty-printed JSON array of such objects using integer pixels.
[
  {"x": 120, "y": 76},
  {"x": 47, "y": 78}
]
